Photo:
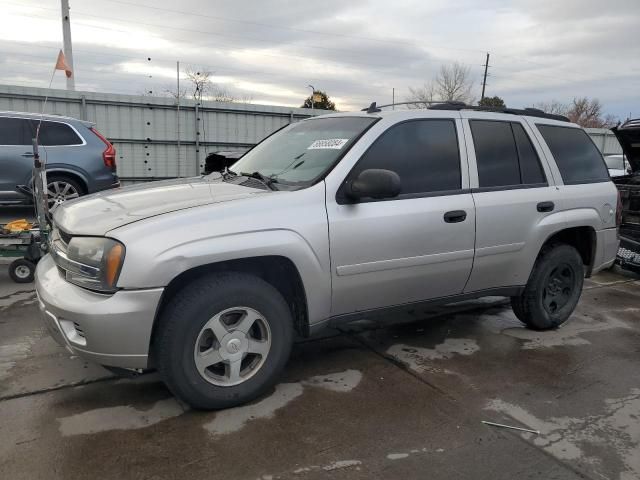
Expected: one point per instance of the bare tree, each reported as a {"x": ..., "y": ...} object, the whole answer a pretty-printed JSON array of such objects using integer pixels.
[
  {"x": 554, "y": 107},
  {"x": 201, "y": 87},
  {"x": 201, "y": 84},
  {"x": 587, "y": 113},
  {"x": 452, "y": 83}
]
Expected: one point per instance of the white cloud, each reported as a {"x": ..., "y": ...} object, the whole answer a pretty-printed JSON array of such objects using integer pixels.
[{"x": 357, "y": 51}]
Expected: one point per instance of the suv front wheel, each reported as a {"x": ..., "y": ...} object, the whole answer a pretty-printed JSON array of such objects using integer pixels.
[
  {"x": 223, "y": 340},
  {"x": 553, "y": 289}
]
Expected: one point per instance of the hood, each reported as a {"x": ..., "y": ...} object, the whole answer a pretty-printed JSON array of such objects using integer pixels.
[
  {"x": 97, "y": 214},
  {"x": 628, "y": 135}
]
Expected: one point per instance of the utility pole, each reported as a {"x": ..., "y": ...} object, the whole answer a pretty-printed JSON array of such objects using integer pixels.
[
  {"x": 66, "y": 38},
  {"x": 484, "y": 81}
]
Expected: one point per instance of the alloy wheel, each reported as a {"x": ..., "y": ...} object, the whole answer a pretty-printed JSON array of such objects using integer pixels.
[
  {"x": 232, "y": 346},
  {"x": 58, "y": 192}
]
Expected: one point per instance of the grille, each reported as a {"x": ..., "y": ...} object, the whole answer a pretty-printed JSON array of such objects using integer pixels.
[
  {"x": 628, "y": 255},
  {"x": 79, "y": 330}
]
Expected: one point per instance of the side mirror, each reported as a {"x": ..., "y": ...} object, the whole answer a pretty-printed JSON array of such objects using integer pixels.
[{"x": 374, "y": 183}]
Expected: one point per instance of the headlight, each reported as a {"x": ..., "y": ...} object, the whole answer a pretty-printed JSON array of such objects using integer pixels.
[{"x": 94, "y": 262}]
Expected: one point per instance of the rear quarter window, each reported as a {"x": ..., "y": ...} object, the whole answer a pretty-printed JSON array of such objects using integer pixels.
[
  {"x": 578, "y": 159},
  {"x": 56, "y": 134}
]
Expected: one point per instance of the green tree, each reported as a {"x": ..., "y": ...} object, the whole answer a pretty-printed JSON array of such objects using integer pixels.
[
  {"x": 320, "y": 101},
  {"x": 491, "y": 102}
]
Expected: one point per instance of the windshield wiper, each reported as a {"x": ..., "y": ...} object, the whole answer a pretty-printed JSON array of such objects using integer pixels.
[{"x": 268, "y": 181}]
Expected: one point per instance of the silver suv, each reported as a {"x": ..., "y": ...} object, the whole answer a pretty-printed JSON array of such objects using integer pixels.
[
  {"x": 328, "y": 220},
  {"x": 79, "y": 159}
]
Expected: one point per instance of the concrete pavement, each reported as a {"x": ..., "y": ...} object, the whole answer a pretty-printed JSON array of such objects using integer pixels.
[{"x": 384, "y": 401}]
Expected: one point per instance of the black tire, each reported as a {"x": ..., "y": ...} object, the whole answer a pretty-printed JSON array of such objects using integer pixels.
[
  {"x": 553, "y": 289},
  {"x": 182, "y": 320},
  {"x": 22, "y": 270}
]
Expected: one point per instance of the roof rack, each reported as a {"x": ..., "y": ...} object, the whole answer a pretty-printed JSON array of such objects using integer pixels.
[
  {"x": 631, "y": 123},
  {"x": 453, "y": 105}
]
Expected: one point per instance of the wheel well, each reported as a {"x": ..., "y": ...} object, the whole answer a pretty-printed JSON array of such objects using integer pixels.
[
  {"x": 277, "y": 270},
  {"x": 583, "y": 239},
  {"x": 72, "y": 176}
]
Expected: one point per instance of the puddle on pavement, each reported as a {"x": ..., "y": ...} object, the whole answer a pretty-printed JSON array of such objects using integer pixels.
[
  {"x": 119, "y": 418},
  {"x": 12, "y": 353},
  {"x": 28, "y": 297},
  {"x": 569, "y": 438},
  {"x": 505, "y": 323},
  {"x": 418, "y": 358},
  {"x": 127, "y": 417},
  {"x": 234, "y": 419}
]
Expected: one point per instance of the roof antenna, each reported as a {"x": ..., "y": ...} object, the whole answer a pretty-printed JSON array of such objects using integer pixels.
[{"x": 372, "y": 108}]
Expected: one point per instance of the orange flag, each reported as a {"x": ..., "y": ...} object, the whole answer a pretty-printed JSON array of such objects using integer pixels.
[{"x": 61, "y": 64}]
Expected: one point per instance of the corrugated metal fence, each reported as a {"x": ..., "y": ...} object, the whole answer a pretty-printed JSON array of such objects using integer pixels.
[
  {"x": 605, "y": 140},
  {"x": 145, "y": 129}
]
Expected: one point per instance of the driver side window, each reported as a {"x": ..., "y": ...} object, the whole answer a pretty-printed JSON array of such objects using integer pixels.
[{"x": 424, "y": 153}]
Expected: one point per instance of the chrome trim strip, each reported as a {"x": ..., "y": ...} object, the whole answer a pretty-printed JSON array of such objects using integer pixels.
[{"x": 346, "y": 270}]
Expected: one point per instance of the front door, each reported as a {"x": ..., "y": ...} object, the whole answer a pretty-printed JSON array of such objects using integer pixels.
[
  {"x": 16, "y": 157},
  {"x": 412, "y": 247}
]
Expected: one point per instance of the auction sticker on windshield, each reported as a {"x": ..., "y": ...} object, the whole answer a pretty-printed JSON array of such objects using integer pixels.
[{"x": 329, "y": 143}]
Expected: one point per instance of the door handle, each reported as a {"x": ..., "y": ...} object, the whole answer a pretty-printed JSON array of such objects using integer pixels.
[
  {"x": 546, "y": 206},
  {"x": 455, "y": 216},
  {"x": 27, "y": 154}
]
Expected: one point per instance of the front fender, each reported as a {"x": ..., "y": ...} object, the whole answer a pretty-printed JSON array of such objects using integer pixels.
[{"x": 177, "y": 259}]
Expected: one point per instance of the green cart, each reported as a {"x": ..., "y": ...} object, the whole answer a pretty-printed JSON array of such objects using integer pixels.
[{"x": 24, "y": 246}]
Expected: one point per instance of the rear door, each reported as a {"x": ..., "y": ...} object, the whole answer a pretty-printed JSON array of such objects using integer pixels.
[
  {"x": 512, "y": 194},
  {"x": 16, "y": 157},
  {"x": 404, "y": 249}
]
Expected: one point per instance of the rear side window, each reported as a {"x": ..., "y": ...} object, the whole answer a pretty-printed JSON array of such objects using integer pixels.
[
  {"x": 505, "y": 155},
  {"x": 496, "y": 153},
  {"x": 14, "y": 131},
  {"x": 578, "y": 159},
  {"x": 424, "y": 153},
  {"x": 530, "y": 168},
  {"x": 56, "y": 134}
]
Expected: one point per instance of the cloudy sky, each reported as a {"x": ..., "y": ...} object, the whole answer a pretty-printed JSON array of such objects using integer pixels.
[{"x": 356, "y": 50}]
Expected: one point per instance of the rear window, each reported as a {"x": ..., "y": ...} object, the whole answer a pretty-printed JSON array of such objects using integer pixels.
[
  {"x": 578, "y": 159},
  {"x": 56, "y": 134}
]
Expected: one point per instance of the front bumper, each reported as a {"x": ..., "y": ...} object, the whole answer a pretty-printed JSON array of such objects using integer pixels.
[{"x": 112, "y": 330}]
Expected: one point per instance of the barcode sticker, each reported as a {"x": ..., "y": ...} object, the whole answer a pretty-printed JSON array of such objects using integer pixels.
[{"x": 329, "y": 143}]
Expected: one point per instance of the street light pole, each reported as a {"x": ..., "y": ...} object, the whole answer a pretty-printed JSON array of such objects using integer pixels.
[{"x": 313, "y": 91}]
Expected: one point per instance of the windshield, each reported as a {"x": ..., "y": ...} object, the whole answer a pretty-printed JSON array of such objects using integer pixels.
[
  {"x": 615, "y": 162},
  {"x": 302, "y": 152}
]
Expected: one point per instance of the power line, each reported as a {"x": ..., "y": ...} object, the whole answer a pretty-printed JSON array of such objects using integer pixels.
[{"x": 280, "y": 27}]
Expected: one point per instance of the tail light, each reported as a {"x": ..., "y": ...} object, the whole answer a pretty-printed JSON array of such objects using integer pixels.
[
  {"x": 109, "y": 154},
  {"x": 619, "y": 210}
]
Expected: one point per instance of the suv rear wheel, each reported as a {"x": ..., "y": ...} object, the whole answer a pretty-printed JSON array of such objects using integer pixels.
[
  {"x": 553, "y": 289},
  {"x": 60, "y": 189},
  {"x": 223, "y": 340}
]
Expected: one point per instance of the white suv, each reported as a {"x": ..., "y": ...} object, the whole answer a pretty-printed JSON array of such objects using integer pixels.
[{"x": 328, "y": 220}]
